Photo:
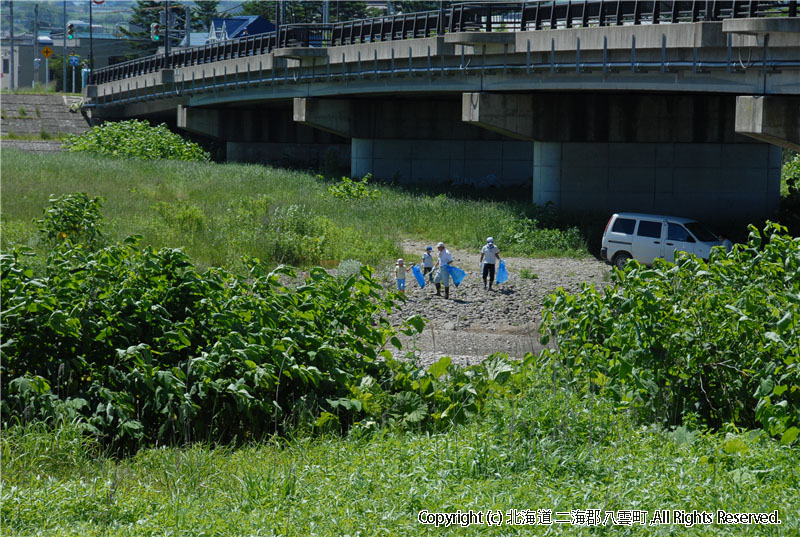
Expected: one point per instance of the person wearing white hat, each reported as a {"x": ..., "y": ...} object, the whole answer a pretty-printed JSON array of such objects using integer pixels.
[
  {"x": 489, "y": 256},
  {"x": 400, "y": 270},
  {"x": 443, "y": 275}
]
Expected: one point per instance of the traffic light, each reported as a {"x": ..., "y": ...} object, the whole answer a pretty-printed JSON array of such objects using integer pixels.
[
  {"x": 155, "y": 31},
  {"x": 70, "y": 31}
]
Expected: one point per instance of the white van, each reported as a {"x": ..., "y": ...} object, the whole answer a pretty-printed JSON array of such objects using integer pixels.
[{"x": 644, "y": 237}]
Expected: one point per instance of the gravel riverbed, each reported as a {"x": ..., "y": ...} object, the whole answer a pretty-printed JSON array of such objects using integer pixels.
[{"x": 474, "y": 323}]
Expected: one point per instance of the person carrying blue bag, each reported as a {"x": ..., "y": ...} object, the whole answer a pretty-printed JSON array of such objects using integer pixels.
[
  {"x": 443, "y": 275},
  {"x": 490, "y": 254}
]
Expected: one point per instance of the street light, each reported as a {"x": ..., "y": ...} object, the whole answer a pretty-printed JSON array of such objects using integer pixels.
[{"x": 70, "y": 31}]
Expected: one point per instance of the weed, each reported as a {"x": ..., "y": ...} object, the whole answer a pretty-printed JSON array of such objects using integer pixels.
[
  {"x": 135, "y": 139},
  {"x": 348, "y": 267},
  {"x": 38, "y": 112},
  {"x": 22, "y": 112},
  {"x": 354, "y": 190},
  {"x": 528, "y": 274}
]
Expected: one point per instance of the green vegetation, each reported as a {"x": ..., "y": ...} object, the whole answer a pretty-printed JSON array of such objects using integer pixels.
[
  {"x": 353, "y": 190},
  {"x": 42, "y": 135},
  {"x": 218, "y": 213},
  {"x": 145, "y": 396},
  {"x": 148, "y": 350},
  {"x": 715, "y": 342},
  {"x": 135, "y": 139},
  {"x": 546, "y": 444},
  {"x": 528, "y": 274}
]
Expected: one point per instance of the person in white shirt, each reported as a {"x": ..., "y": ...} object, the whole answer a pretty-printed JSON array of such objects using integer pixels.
[
  {"x": 444, "y": 259},
  {"x": 427, "y": 263},
  {"x": 489, "y": 256}
]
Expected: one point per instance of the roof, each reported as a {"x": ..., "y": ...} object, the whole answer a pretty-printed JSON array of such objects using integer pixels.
[
  {"x": 240, "y": 26},
  {"x": 677, "y": 219}
]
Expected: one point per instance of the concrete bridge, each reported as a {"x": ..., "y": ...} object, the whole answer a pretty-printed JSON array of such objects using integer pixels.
[{"x": 675, "y": 107}]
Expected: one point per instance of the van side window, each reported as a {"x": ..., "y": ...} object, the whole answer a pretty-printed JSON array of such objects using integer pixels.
[
  {"x": 648, "y": 228},
  {"x": 624, "y": 225},
  {"x": 676, "y": 232}
]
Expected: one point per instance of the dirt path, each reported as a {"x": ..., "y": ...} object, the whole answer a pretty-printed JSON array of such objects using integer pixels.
[{"x": 474, "y": 322}]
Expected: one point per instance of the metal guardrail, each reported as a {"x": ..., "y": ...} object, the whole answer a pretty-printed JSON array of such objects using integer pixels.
[
  {"x": 478, "y": 17},
  {"x": 551, "y": 15},
  {"x": 235, "y": 80}
]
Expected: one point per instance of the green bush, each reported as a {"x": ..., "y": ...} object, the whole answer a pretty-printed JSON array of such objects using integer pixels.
[
  {"x": 354, "y": 190},
  {"x": 74, "y": 218},
  {"x": 716, "y": 341},
  {"x": 527, "y": 236},
  {"x": 141, "y": 348},
  {"x": 135, "y": 139}
]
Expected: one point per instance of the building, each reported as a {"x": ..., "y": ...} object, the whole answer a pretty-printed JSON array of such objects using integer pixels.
[{"x": 240, "y": 26}]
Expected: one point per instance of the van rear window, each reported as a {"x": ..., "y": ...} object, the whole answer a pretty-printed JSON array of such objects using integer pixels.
[
  {"x": 624, "y": 225},
  {"x": 648, "y": 228}
]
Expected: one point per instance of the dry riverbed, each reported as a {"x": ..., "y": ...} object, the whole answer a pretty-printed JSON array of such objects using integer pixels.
[{"x": 474, "y": 322}]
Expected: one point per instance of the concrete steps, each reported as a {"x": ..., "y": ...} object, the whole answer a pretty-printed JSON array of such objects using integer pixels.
[{"x": 37, "y": 114}]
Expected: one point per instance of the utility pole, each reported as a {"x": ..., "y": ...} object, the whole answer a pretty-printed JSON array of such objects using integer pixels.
[
  {"x": 64, "y": 58},
  {"x": 11, "y": 9},
  {"x": 166, "y": 35},
  {"x": 188, "y": 26},
  {"x": 35, "y": 43},
  {"x": 91, "y": 39}
]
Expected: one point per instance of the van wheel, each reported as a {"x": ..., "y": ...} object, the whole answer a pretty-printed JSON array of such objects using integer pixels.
[{"x": 621, "y": 259}]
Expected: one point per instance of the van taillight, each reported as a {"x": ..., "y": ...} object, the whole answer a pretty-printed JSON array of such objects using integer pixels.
[{"x": 607, "y": 224}]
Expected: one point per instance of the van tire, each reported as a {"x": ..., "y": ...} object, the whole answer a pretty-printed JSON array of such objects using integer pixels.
[{"x": 621, "y": 259}]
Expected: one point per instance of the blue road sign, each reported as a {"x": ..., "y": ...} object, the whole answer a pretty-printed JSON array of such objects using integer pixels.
[{"x": 74, "y": 60}]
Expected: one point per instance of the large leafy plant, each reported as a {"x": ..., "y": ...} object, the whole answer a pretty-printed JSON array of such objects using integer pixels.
[
  {"x": 142, "y": 348},
  {"x": 135, "y": 139},
  {"x": 716, "y": 341}
]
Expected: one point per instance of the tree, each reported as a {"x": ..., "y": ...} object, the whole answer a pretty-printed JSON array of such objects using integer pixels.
[
  {"x": 348, "y": 11},
  {"x": 415, "y": 6},
  {"x": 203, "y": 13},
  {"x": 265, "y": 10},
  {"x": 145, "y": 12}
]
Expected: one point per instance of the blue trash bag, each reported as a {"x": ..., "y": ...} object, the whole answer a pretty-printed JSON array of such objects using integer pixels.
[
  {"x": 418, "y": 276},
  {"x": 456, "y": 273},
  {"x": 502, "y": 273}
]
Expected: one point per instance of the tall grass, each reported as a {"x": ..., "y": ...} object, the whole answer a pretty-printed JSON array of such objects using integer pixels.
[
  {"x": 218, "y": 212},
  {"x": 548, "y": 447}
]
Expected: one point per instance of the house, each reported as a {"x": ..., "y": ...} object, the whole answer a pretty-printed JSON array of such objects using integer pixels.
[{"x": 239, "y": 26}]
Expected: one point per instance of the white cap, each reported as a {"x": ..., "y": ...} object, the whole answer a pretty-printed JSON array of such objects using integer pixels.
[
  {"x": 399, "y": 261},
  {"x": 490, "y": 239},
  {"x": 440, "y": 245}
]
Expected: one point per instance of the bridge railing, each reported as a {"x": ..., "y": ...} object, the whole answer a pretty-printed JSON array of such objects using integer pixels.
[
  {"x": 551, "y": 15},
  {"x": 479, "y": 17}
]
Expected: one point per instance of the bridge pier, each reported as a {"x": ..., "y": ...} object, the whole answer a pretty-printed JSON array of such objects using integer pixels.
[
  {"x": 677, "y": 154},
  {"x": 419, "y": 141},
  {"x": 702, "y": 180},
  {"x": 771, "y": 119},
  {"x": 266, "y": 135}
]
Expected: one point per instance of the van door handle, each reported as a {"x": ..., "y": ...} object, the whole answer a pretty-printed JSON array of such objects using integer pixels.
[
  {"x": 656, "y": 242},
  {"x": 670, "y": 244}
]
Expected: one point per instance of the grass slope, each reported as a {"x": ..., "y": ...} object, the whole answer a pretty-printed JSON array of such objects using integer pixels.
[{"x": 219, "y": 212}]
